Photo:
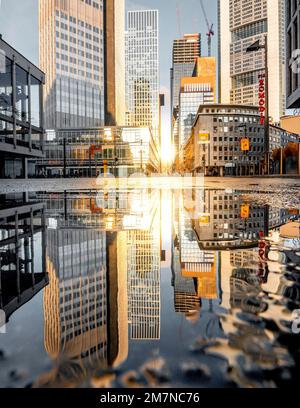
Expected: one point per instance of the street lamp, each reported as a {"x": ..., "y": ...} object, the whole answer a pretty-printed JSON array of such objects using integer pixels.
[{"x": 254, "y": 48}]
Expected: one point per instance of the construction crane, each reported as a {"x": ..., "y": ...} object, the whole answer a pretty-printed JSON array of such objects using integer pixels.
[
  {"x": 178, "y": 19},
  {"x": 210, "y": 28}
]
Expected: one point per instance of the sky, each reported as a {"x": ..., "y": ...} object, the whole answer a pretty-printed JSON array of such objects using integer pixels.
[{"x": 19, "y": 27}]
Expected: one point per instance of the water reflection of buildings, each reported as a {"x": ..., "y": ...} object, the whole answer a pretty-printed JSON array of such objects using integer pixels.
[
  {"x": 195, "y": 271},
  {"x": 22, "y": 251},
  {"x": 85, "y": 304},
  {"x": 233, "y": 222},
  {"x": 103, "y": 262},
  {"x": 144, "y": 281},
  {"x": 222, "y": 231}
]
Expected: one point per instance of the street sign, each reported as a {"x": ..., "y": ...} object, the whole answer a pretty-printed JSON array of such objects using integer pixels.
[
  {"x": 204, "y": 219},
  {"x": 203, "y": 137},
  {"x": 245, "y": 144},
  {"x": 245, "y": 211},
  {"x": 94, "y": 149},
  {"x": 262, "y": 98}
]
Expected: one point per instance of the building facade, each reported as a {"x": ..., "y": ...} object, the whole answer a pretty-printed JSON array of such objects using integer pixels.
[
  {"x": 293, "y": 53},
  {"x": 71, "y": 40},
  {"x": 186, "y": 50},
  {"x": 121, "y": 151},
  {"x": 114, "y": 38},
  {"x": 216, "y": 144},
  {"x": 195, "y": 91},
  {"x": 291, "y": 123},
  {"x": 240, "y": 25},
  {"x": 142, "y": 69},
  {"x": 21, "y": 113}
]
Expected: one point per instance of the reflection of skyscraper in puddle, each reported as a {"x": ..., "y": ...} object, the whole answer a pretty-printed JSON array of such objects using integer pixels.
[
  {"x": 85, "y": 304},
  {"x": 195, "y": 270},
  {"x": 143, "y": 262},
  {"x": 245, "y": 281}
]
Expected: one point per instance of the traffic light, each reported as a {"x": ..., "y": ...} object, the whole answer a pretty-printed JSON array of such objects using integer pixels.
[{"x": 245, "y": 144}]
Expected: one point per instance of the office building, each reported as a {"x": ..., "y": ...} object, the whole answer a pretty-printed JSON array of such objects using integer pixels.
[
  {"x": 185, "y": 52},
  {"x": 240, "y": 25},
  {"x": 142, "y": 70},
  {"x": 71, "y": 41},
  {"x": 114, "y": 38},
  {"x": 195, "y": 91},
  {"x": 121, "y": 151},
  {"x": 21, "y": 112},
  {"x": 216, "y": 144},
  {"x": 293, "y": 53},
  {"x": 291, "y": 123}
]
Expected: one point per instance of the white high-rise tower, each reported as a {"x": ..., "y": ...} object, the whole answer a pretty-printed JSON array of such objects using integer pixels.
[
  {"x": 142, "y": 69},
  {"x": 241, "y": 23}
]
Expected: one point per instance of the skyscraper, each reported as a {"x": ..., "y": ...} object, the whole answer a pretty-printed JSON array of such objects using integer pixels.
[
  {"x": 80, "y": 45},
  {"x": 142, "y": 69},
  {"x": 242, "y": 23},
  {"x": 185, "y": 52},
  {"x": 72, "y": 56},
  {"x": 114, "y": 38},
  {"x": 293, "y": 54}
]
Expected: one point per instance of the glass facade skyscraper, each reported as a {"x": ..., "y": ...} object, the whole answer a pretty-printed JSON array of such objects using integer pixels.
[
  {"x": 192, "y": 96},
  {"x": 142, "y": 69},
  {"x": 72, "y": 56},
  {"x": 240, "y": 25},
  {"x": 185, "y": 52},
  {"x": 195, "y": 91}
]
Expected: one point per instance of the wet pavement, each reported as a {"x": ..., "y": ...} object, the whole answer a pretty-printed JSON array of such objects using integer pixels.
[{"x": 150, "y": 287}]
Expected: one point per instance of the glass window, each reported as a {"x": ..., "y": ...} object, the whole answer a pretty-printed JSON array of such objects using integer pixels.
[
  {"x": 21, "y": 94},
  {"x": 35, "y": 102},
  {"x": 5, "y": 85}
]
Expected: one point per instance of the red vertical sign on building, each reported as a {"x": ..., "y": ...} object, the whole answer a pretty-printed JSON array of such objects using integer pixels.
[{"x": 262, "y": 98}]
